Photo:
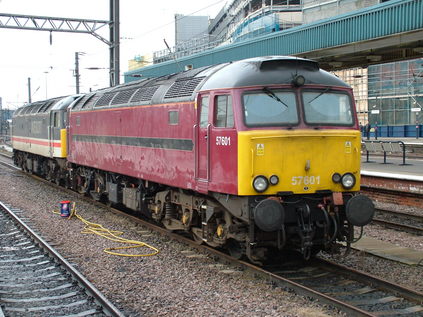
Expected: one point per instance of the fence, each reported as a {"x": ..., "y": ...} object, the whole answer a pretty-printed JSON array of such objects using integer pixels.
[{"x": 397, "y": 131}]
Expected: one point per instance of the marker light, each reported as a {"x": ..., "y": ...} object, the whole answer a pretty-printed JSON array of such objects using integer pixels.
[
  {"x": 336, "y": 178},
  {"x": 274, "y": 179}
]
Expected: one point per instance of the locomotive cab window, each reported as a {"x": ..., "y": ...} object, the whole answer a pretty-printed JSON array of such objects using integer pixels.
[
  {"x": 204, "y": 114},
  {"x": 270, "y": 107},
  {"x": 224, "y": 116},
  {"x": 327, "y": 107},
  {"x": 56, "y": 119}
]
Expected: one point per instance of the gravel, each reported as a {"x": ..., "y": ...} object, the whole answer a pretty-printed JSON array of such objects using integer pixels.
[{"x": 175, "y": 282}]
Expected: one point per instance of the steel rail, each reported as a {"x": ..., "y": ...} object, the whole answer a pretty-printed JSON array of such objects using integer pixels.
[
  {"x": 397, "y": 225},
  {"x": 107, "y": 306},
  {"x": 401, "y": 214},
  {"x": 366, "y": 278}
]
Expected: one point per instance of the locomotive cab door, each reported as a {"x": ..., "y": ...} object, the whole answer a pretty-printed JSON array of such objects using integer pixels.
[
  {"x": 202, "y": 146},
  {"x": 52, "y": 130}
]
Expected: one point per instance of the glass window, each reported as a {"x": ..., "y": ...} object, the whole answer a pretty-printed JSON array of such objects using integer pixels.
[
  {"x": 270, "y": 107},
  {"x": 204, "y": 116},
  {"x": 173, "y": 117},
  {"x": 324, "y": 107},
  {"x": 56, "y": 119},
  {"x": 224, "y": 117}
]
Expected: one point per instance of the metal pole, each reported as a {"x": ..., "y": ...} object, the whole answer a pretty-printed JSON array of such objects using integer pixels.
[
  {"x": 114, "y": 43},
  {"x": 77, "y": 75},
  {"x": 29, "y": 89}
]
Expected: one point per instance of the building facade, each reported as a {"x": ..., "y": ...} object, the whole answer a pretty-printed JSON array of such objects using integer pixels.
[{"x": 395, "y": 93}]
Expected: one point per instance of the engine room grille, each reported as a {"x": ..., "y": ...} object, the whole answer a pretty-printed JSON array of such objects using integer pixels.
[
  {"x": 46, "y": 106},
  {"x": 105, "y": 99},
  {"x": 91, "y": 101},
  {"x": 81, "y": 101},
  {"x": 144, "y": 94},
  {"x": 123, "y": 96},
  {"x": 183, "y": 87}
]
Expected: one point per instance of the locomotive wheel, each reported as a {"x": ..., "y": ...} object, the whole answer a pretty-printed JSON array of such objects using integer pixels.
[
  {"x": 81, "y": 184},
  {"x": 197, "y": 235},
  {"x": 235, "y": 249}
]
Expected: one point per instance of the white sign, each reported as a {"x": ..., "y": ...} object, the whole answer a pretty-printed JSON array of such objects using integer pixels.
[
  {"x": 375, "y": 111},
  {"x": 416, "y": 109}
]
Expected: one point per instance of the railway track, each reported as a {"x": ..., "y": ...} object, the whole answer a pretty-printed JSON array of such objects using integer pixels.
[
  {"x": 356, "y": 293},
  {"x": 399, "y": 220},
  {"x": 35, "y": 280}
]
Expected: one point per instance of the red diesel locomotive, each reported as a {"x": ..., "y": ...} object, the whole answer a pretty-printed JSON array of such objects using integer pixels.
[{"x": 255, "y": 156}]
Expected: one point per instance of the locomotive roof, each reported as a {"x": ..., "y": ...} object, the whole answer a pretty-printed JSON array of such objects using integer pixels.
[
  {"x": 264, "y": 71},
  {"x": 37, "y": 107},
  {"x": 271, "y": 70}
]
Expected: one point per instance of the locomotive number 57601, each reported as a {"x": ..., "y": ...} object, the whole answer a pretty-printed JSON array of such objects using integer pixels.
[{"x": 223, "y": 140}]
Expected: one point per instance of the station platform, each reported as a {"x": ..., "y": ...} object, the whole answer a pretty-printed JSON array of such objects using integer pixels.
[
  {"x": 409, "y": 141},
  {"x": 389, "y": 251},
  {"x": 394, "y": 168},
  {"x": 413, "y": 170}
]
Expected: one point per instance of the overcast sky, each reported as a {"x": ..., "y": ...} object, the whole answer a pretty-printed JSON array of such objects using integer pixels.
[{"x": 23, "y": 54}]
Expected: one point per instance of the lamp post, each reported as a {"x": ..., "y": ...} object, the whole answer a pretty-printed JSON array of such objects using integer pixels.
[
  {"x": 76, "y": 73},
  {"x": 46, "y": 73}
]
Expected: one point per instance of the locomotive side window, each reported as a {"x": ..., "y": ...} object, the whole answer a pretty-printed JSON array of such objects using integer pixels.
[
  {"x": 56, "y": 119},
  {"x": 204, "y": 115},
  {"x": 224, "y": 116},
  {"x": 173, "y": 118},
  {"x": 323, "y": 107},
  {"x": 270, "y": 107}
]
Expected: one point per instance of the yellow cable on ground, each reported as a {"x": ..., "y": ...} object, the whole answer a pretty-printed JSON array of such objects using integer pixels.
[{"x": 113, "y": 235}]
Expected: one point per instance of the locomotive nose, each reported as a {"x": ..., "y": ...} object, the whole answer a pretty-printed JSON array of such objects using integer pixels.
[
  {"x": 269, "y": 215},
  {"x": 360, "y": 210}
]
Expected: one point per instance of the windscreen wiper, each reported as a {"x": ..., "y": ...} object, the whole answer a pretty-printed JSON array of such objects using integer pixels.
[
  {"x": 271, "y": 94},
  {"x": 323, "y": 92}
]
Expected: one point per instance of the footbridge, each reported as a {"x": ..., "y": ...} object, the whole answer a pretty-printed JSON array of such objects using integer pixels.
[{"x": 387, "y": 32}]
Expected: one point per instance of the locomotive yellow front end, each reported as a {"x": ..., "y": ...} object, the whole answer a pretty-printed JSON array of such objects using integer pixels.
[
  {"x": 303, "y": 188},
  {"x": 298, "y": 162},
  {"x": 299, "y": 167}
]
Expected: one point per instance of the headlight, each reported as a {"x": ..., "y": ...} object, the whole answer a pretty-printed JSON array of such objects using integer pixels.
[
  {"x": 298, "y": 80},
  {"x": 274, "y": 179},
  {"x": 348, "y": 181},
  {"x": 260, "y": 183}
]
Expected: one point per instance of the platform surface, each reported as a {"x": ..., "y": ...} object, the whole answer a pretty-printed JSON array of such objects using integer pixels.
[
  {"x": 413, "y": 170},
  {"x": 389, "y": 251}
]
